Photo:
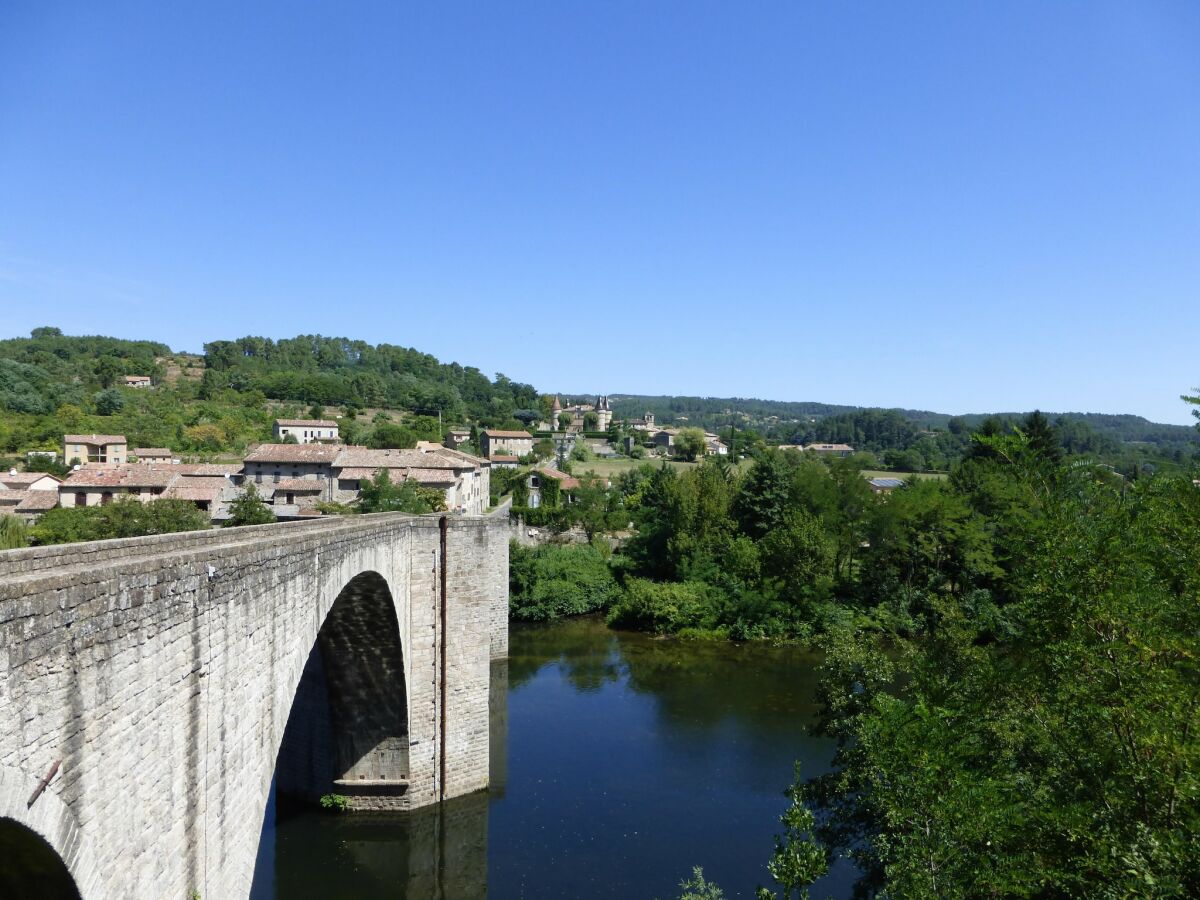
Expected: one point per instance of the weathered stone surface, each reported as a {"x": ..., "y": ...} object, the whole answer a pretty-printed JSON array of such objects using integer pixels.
[{"x": 162, "y": 672}]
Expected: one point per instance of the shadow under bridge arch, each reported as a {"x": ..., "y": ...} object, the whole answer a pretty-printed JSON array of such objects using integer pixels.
[
  {"x": 29, "y": 866},
  {"x": 347, "y": 732}
]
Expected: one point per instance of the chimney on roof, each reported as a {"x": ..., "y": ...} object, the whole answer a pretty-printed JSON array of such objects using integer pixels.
[{"x": 12, "y": 471}]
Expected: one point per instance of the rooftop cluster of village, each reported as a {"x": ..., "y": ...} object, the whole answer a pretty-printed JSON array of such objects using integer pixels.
[
  {"x": 303, "y": 467},
  {"x": 306, "y": 465}
]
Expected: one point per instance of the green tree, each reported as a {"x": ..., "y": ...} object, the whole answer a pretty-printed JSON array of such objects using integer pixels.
[
  {"x": 248, "y": 508},
  {"x": 558, "y": 580},
  {"x": 388, "y": 436},
  {"x": 564, "y": 420},
  {"x": 13, "y": 533},
  {"x": 124, "y": 517},
  {"x": 797, "y": 552},
  {"x": 764, "y": 495},
  {"x": 1059, "y": 758},
  {"x": 690, "y": 444},
  {"x": 1195, "y": 401},
  {"x": 591, "y": 421},
  {"x": 109, "y": 402},
  {"x": 1043, "y": 439},
  {"x": 380, "y": 494}
]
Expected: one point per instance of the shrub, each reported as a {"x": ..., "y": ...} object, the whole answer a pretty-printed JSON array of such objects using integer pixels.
[
  {"x": 555, "y": 580},
  {"x": 664, "y": 608}
]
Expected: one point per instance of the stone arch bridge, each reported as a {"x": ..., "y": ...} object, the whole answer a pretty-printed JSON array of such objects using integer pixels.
[{"x": 152, "y": 688}]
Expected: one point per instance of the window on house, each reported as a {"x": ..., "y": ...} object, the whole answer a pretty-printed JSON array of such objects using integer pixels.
[
  {"x": 81, "y": 499},
  {"x": 106, "y": 498},
  {"x": 291, "y": 498}
]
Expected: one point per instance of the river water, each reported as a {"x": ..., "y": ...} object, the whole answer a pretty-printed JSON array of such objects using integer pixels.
[{"x": 619, "y": 762}]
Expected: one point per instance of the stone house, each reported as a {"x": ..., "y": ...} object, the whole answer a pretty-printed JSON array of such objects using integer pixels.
[
  {"x": 272, "y": 463},
  {"x": 29, "y": 481},
  {"x": 100, "y": 485},
  {"x": 504, "y": 461},
  {"x": 307, "y": 431},
  {"x": 506, "y": 443},
  {"x": 665, "y": 438},
  {"x": 714, "y": 446},
  {"x": 535, "y": 482},
  {"x": 298, "y": 492},
  {"x": 885, "y": 485},
  {"x": 465, "y": 479},
  {"x": 95, "y": 448},
  {"x": 136, "y": 381},
  {"x": 33, "y": 503},
  {"x": 153, "y": 456},
  {"x": 456, "y": 437}
]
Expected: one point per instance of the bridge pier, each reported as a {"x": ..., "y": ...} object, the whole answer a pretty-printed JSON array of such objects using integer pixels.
[{"x": 169, "y": 675}]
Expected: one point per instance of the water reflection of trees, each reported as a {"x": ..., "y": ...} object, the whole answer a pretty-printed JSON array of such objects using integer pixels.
[
  {"x": 587, "y": 652},
  {"x": 696, "y": 684}
]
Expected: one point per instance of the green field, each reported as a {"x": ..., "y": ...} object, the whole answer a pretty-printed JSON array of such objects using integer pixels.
[{"x": 607, "y": 468}]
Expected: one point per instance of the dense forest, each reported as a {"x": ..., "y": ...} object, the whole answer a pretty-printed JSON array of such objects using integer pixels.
[
  {"x": 51, "y": 384},
  {"x": 338, "y": 371},
  {"x": 916, "y": 440},
  {"x": 1010, "y": 667}
]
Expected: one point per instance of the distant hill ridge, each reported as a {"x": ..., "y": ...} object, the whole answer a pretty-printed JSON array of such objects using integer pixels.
[{"x": 713, "y": 411}]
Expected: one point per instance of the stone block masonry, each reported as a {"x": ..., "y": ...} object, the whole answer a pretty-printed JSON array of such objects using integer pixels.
[{"x": 162, "y": 672}]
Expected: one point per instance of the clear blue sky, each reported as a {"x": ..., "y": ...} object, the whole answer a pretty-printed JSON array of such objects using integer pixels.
[{"x": 956, "y": 206}]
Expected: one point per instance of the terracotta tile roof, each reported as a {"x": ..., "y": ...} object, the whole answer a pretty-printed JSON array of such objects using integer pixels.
[
  {"x": 94, "y": 439},
  {"x": 366, "y": 457},
  {"x": 38, "y": 501},
  {"x": 358, "y": 472},
  {"x": 497, "y": 433},
  {"x": 191, "y": 470},
  {"x": 306, "y": 423},
  {"x": 839, "y": 447},
  {"x": 565, "y": 481},
  {"x": 430, "y": 476},
  {"x": 299, "y": 485},
  {"x": 498, "y": 457},
  {"x": 294, "y": 453},
  {"x": 191, "y": 492},
  {"x": 399, "y": 473},
  {"x": 21, "y": 480},
  {"x": 129, "y": 475},
  {"x": 150, "y": 451},
  {"x": 308, "y": 511}
]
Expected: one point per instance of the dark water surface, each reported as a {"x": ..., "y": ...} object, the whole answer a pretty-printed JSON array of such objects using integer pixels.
[{"x": 618, "y": 763}]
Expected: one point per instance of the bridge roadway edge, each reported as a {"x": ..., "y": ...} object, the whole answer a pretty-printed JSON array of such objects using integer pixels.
[{"x": 161, "y": 671}]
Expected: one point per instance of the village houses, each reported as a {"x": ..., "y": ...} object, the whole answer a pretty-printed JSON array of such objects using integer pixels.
[
  {"x": 79, "y": 449},
  {"x": 307, "y": 431},
  {"x": 506, "y": 443},
  {"x": 302, "y": 475},
  {"x": 153, "y": 456},
  {"x": 27, "y": 495},
  {"x": 136, "y": 381}
]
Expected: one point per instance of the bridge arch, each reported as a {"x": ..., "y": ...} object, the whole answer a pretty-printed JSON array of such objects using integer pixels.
[{"x": 347, "y": 729}]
